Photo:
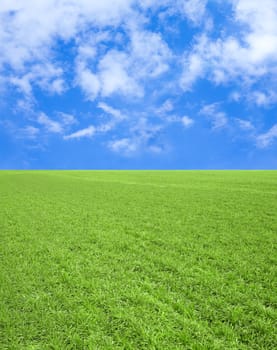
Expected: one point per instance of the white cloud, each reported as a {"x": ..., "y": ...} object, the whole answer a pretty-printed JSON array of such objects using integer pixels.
[
  {"x": 104, "y": 72},
  {"x": 123, "y": 72},
  {"x": 131, "y": 145},
  {"x": 50, "y": 125},
  {"x": 57, "y": 86},
  {"x": 114, "y": 75},
  {"x": 217, "y": 117},
  {"x": 28, "y": 132},
  {"x": 187, "y": 121},
  {"x": 245, "y": 124},
  {"x": 263, "y": 99},
  {"x": 235, "y": 96},
  {"x": 247, "y": 55},
  {"x": 125, "y": 146},
  {"x": 24, "y": 105},
  {"x": 194, "y": 10},
  {"x": 67, "y": 119},
  {"x": 44, "y": 74},
  {"x": 166, "y": 113},
  {"x": 51, "y": 19},
  {"x": 193, "y": 70},
  {"x": 143, "y": 136},
  {"x": 87, "y": 132},
  {"x": 22, "y": 83},
  {"x": 112, "y": 111},
  {"x": 29, "y": 32},
  {"x": 90, "y": 131},
  {"x": 113, "y": 52},
  {"x": 150, "y": 54},
  {"x": 117, "y": 117},
  {"x": 258, "y": 98},
  {"x": 266, "y": 139},
  {"x": 166, "y": 107},
  {"x": 48, "y": 77},
  {"x": 88, "y": 82}
]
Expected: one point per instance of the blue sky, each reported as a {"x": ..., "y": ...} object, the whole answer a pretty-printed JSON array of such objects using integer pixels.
[{"x": 138, "y": 84}]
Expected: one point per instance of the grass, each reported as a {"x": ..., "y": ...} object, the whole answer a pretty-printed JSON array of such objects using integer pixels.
[{"x": 138, "y": 260}]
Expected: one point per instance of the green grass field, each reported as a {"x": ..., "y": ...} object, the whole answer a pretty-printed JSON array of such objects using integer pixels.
[{"x": 138, "y": 260}]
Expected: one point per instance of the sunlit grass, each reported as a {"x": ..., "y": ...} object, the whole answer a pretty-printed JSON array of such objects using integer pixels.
[{"x": 138, "y": 260}]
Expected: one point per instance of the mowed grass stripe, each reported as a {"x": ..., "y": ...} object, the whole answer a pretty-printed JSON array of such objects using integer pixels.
[{"x": 102, "y": 264}]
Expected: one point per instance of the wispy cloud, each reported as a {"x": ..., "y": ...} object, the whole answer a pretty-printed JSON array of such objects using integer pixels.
[
  {"x": 143, "y": 136},
  {"x": 267, "y": 139},
  {"x": 195, "y": 10},
  {"x": 126, "y": 146},
  {"x": 92, "y": 130},
  {"x": 49, "y": 124},
  {"x": 245, "y": 124},
  {"x": 28, "y": 132},
  {"x": 83, "y": 133},
  {"x": 111, "y": 111},
  {"x": 166, "y": 107},
  {"x": 215, "y": 115},
  {"x": 67, "y": 119},
  {"x": 263, "y": 99}
]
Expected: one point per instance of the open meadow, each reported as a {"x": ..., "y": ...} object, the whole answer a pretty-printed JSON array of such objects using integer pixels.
[{"x": 138, "y": 260}]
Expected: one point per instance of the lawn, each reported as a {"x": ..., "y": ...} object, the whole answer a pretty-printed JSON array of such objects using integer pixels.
[{"x": 138, "y": 260}]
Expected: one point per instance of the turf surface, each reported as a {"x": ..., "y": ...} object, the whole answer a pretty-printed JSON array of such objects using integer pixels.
[{"x": 138, "y": 260}]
